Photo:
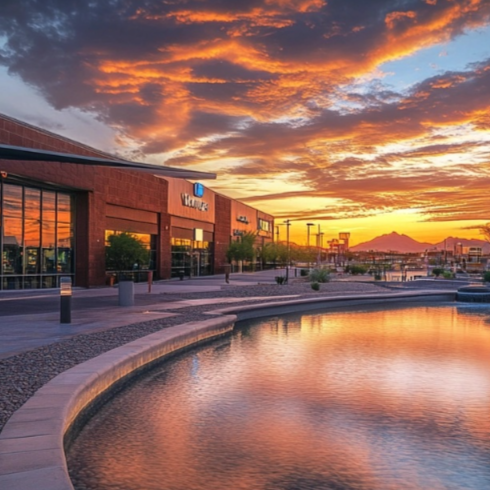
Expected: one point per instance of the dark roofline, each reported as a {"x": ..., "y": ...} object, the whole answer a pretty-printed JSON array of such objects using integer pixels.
[{"x": 8, "y": 152}]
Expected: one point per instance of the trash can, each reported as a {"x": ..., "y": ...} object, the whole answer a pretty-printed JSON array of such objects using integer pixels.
[{"x": 181, "y": 275}]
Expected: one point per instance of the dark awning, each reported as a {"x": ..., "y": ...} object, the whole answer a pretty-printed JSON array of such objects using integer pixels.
[{"x": 8, "y": 152}]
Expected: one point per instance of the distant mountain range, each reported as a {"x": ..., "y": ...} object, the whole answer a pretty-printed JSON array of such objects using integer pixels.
[{"x": 403, "y": 243}]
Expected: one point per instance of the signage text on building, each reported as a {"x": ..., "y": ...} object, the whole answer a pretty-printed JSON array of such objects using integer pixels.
[
  {"x": 242, "y": 219},
  {"x": 192, "y": 202}
]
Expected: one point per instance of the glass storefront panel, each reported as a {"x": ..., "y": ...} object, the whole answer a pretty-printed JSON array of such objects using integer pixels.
[
  {"x": 193, "y": 257},
  {"x": 36, "y": 240},
  {"x": 150, "y": 243},
  {"x": 12, "y": 201},
  {"x": 32, "y": 205},
  {"x": 64, "y": 208},
  {"x": 32, "y": 233},
  {"x": 12, "y": 246},
  {"x": 49, "y": 206}
]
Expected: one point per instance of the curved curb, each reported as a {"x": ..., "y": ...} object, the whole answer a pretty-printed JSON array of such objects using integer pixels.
[
  {"x": 32, "y": 442},
  {"x": 246, "y": 312}
]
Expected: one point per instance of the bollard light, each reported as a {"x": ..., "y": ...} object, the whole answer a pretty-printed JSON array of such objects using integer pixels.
[{"x": 65, "y": 299}]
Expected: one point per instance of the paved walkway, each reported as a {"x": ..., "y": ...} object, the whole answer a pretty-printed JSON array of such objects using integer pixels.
[{"x": 98, "y": 308}]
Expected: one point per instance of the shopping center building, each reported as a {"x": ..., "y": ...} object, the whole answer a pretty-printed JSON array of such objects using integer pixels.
[{"x": 56, "y": 216}]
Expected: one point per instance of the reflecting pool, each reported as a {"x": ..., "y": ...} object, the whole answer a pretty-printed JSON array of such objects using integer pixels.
[{"x": 368, "y": 399}]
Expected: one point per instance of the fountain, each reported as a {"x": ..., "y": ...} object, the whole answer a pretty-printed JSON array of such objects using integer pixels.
[{"x": 474, "y": 294}]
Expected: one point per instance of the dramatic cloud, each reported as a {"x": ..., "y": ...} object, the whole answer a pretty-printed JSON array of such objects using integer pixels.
[{"x": 279, "y": 90}]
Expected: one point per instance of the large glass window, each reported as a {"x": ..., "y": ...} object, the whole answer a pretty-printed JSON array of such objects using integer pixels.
[
  {"x": 36, "y": 237},
  {"x": 192, "y": 257},
  {"x": 150, "y": 242}
]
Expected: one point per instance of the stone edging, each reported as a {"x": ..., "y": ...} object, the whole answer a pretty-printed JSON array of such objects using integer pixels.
[{"x": 32, "y": 442}]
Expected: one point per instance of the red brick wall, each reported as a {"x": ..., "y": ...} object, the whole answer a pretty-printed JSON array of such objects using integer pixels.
[
  {"x": 222, "y": 232},
  {"x": 98, "y": 186}
]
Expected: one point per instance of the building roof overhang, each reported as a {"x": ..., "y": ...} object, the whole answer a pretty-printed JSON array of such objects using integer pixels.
[{"x": 8, "y": 152}]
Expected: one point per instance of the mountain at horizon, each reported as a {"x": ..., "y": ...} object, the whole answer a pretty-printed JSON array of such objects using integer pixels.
[{"x": 396, "y": 242}]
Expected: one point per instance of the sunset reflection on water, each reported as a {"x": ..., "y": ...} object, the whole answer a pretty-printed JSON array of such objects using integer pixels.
[{"x": 367, "y": 399}]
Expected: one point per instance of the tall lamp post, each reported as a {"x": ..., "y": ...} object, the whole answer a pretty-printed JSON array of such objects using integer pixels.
[
  {"x": 308, "y": 226},
  {"x": 288, "y": 224},
  {"x": 319, "y": 236}
]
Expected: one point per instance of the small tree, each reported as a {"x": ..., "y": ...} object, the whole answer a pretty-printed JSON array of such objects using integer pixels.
[
  {"x": 242, "y": 249},
  {"x": 124, "y": 251}
]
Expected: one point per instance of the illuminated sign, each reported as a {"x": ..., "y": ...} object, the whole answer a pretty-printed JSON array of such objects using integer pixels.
[
  {"x": 192, "y": 202},
  {"x": 242, "y": 219},
  {"x": 198, "y": 190}
]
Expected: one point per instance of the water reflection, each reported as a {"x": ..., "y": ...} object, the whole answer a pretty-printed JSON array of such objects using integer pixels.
[{"x": 364, "y": 400}]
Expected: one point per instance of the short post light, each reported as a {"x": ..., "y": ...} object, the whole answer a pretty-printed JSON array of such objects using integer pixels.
[{"x": 65, "y": 299}]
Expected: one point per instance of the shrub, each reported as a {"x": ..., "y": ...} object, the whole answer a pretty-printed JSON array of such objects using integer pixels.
[
  {"x": 377, "y": 276},
  {"x": 437, "y": 271},
  {"x": 304, "y": 272},
  {"x": 357, "y": 269},
  {"x": 320, "y": 275},
  {"x": 124, "y": 252},
  {"x": 280, "y": 279},
  {"x": 315, "y": 286},
  {"x": 447, "y": 275},
  {"x": 486, "y": 276}
]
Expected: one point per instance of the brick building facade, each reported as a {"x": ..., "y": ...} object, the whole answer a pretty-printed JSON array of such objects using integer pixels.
[{"x": 38, "y": 247}]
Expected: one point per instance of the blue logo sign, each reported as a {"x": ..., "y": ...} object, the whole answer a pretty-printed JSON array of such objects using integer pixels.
[{"x": 198, "y": 190}]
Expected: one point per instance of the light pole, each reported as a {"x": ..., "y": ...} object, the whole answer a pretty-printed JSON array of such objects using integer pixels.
[
  {"x": 308, "y": 226},
  {"x": 288, "y": 224},
  {"x": 318, "y": 235}
]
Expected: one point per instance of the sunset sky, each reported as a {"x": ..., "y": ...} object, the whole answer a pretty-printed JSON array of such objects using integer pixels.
[{"x": 360, "y": 116}]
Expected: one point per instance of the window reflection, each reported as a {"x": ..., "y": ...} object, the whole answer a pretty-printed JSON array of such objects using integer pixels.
[
  {"x": 12, "y": 200},
  {"x": 36, "y": 240},
  {"x": 49, "y": 206},
  {"x": 64, "y": 208}
]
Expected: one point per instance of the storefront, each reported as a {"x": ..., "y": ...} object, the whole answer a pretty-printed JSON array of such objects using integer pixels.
[
  {"x": 36, "y": 236},
  {"x": 60, "y": 200},
  {"x": 192, "y": 213}
]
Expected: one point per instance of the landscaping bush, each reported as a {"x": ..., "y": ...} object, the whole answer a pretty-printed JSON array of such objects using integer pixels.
[
  {"x": 320, "y": 275},
  {"x": 437, "y": 271},
  {"x": 357, "y": 269},
  {"x": 304, "y": 272},
  {"x": 315, "y": 286},
  {"x": 377, "y": 276},
  {"x": 486, "y": 276},
  {"x": 280, "y": 279},
  {"x": 447, "y": 275}
]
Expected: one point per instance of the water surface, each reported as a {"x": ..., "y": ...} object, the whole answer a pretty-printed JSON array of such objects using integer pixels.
[{"x": 369, "y": 399}]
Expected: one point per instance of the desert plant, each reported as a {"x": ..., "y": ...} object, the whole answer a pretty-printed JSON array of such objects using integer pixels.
[
  {"x": 437, "y": 271},
  {"x": 315, "y": 286},
  {"x": 486, "y": 276},
  {"x": 280, "y": 279},
  {"x": 321, "y": 274}
]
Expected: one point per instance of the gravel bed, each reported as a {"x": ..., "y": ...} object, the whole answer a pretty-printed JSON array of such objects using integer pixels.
[{"x": 23, "y": 374}]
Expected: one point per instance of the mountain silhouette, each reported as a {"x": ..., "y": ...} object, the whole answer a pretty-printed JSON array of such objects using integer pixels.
[{"x": 395, "y": 242}]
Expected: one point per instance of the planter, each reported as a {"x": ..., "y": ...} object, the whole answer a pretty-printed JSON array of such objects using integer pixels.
[{"x": 126, "y": 293}]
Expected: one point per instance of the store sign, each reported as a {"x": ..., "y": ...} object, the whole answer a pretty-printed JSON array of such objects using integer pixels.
[
  {"x": 198, "y": 190},
  {"x": 192, "y": 202},
  {"x": 242, "y": 219}
]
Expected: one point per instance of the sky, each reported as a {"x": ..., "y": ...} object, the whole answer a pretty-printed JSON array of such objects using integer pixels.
[{"x": 358, "y": 116}]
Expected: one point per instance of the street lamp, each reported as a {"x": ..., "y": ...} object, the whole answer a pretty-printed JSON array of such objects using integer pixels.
[
  {"x": 308, "y": 226},
  {"x": 288, "y": 224}
]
